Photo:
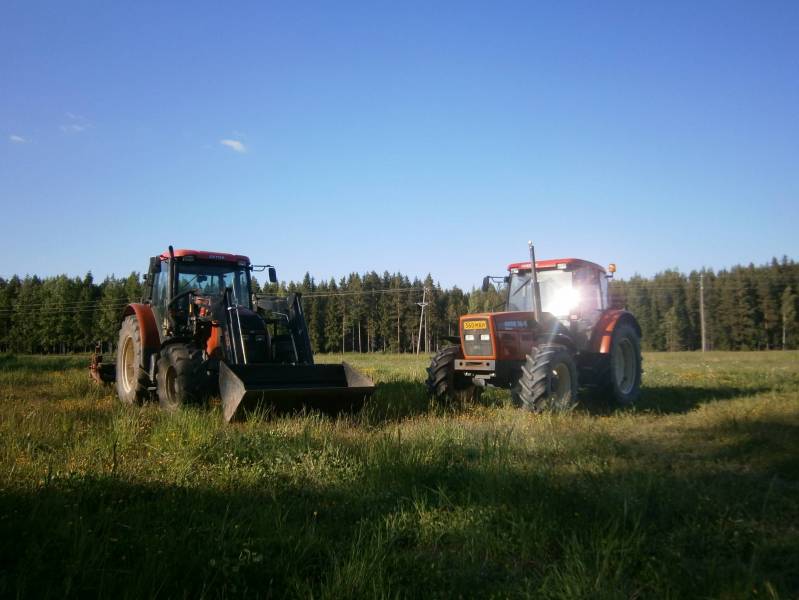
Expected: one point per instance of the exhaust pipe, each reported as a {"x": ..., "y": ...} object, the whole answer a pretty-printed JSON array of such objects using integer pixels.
[{"x": 534, "y": 283}]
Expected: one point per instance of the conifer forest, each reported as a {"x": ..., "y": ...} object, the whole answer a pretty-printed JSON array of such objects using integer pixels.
[{"x": 746, "y": 308}]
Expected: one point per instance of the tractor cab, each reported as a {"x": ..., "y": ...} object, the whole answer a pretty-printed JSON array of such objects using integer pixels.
[
  {"x": 189, "y": 281},
  {"x": 572, "y": 290}
]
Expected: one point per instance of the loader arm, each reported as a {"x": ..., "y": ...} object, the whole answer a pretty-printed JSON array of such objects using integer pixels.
[{"x": 291, "y": 381}]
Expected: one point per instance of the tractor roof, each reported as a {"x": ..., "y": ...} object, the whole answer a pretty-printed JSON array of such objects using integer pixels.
[
  {"x": 204, "y": 255},
  {"x": 571, "y": 263}
]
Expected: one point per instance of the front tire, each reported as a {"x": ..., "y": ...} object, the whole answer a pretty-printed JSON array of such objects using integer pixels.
[
  {"x": 180, "y": 377},
  {"x": 132, "y": 380},
  {"x": 445, "y": 384},
  {"x": 549, "y": 381}
]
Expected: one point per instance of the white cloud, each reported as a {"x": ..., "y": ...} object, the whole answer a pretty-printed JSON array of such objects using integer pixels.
[
  {"x": 72, "y": 128},
  {"x": 235, "y": 145},
  {"x": 75, "y": 124},
  {"x": 17, "y": 139}
]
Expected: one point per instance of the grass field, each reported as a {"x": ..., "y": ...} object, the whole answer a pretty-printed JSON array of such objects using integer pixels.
[{"x": 693, "y": 494}]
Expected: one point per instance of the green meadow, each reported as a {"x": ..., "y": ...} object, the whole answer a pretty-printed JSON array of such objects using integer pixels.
[{"x": 694, "y": 493}]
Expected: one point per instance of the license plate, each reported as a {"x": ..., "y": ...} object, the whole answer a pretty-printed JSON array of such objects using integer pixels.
[{"x": 470, "y": 325}]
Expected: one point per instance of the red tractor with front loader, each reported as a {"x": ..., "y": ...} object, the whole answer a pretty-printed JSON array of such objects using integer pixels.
[
  {"x": 557, "y": 333},
  {"x": 200, "y": 330}
]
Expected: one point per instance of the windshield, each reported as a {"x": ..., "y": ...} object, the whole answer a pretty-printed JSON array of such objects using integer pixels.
[
  {"x": 211, "y": 280},
  {"x": 558, "y": 296}
]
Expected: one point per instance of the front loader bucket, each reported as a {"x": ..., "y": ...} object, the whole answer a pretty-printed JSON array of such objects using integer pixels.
[{"x": 286, "y": 388}]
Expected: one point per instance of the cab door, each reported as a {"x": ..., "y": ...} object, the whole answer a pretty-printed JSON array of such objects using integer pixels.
[{"x": 591, "y": 302}]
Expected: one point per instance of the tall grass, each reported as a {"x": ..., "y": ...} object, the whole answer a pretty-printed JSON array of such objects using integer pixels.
[{"x": 694, "y": 493}]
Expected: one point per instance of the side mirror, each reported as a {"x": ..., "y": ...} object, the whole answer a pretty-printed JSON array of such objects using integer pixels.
[
  {"x": 486, "y": 283},
  {"x": 272, "y": 275},
  {"x": 155, "y": 264}
]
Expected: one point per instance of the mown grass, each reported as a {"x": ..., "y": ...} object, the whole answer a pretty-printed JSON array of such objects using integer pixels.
[{"x": 694, "y": 493}]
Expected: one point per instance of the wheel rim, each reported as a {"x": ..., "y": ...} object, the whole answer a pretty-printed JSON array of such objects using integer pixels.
[
  {"x": 128, "y": 364},
  {"x": 561, "y": 386},
  {"x": 624, "y": 365},
  {"x": 170, "y": 383}
]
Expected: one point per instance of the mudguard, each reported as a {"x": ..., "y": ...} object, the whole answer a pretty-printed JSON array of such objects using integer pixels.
[
  {"x": 602, "y": 336},
  {"x": 150, "y": 339}
]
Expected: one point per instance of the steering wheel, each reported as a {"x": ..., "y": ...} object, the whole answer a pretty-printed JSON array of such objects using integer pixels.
[{"x": 183, "y": 294}]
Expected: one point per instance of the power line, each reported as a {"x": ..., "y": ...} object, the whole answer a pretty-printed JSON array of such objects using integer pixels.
[
  {"x": 348, "y": 293},
  {"x": 27, "y": 309}
]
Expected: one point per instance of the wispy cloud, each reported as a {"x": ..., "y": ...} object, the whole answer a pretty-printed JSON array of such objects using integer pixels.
[
  {"x": 75, "y": 124},
  {"x": 17, "y": 139},
  {"x": 234, "y": 145}
]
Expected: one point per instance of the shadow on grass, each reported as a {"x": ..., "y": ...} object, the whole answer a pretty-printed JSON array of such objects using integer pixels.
[
  {"x": 772, "y": 444},
  {"x": 392, "y": 402},
  {"x": 449, "y": 525},
  {"x": 663, "y": 399},
  {"x": 682, "y": 399},
  {"x": 396, "y": 401}
]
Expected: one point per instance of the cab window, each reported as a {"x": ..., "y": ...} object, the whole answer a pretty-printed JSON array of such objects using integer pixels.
[
  {"x": 159, "y": 293},
  {"x": 586, "y": 280}
]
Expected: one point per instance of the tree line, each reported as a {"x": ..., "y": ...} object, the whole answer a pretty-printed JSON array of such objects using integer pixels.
[{"x": 746, "y": 307}]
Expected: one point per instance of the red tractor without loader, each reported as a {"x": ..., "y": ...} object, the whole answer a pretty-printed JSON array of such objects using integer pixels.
[
  {"x": 557, "y": 333},
  {"x": 200, "y": 330}
]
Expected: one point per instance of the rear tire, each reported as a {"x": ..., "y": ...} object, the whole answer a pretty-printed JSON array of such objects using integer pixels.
[
  {"x": 624, "y": 377},
  {"x": 180, "y": 378},
  {"x": 549, "y": 381},
  {"x": 445, "y": 384},
  {"x": 132, "y": 379}
]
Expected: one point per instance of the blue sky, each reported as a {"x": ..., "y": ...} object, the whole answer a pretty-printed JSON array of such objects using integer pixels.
[{"x": 422, "y": 137}]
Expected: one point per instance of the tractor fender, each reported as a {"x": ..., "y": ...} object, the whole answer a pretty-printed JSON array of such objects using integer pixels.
[
  {"x": 602, "y": 336},
  {"x": 150, "y": 339}
]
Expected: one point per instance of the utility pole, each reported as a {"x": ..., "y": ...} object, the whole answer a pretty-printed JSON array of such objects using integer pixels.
[
  {"x": 343, "y": 325},
  {"x": 426, "y": 334},
  {"x": 422, "y": 321},
  {"x": 399, "y": 340},
  {"x": 702, "y": 310}
]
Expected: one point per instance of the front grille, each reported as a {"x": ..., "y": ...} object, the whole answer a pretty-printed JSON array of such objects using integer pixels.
[{"x": 476, "y": 337}]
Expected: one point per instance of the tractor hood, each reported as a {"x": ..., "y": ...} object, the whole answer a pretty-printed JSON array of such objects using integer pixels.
[
  {"x": 505, "y": 335},
  {"x": 496, "y": 335}
]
